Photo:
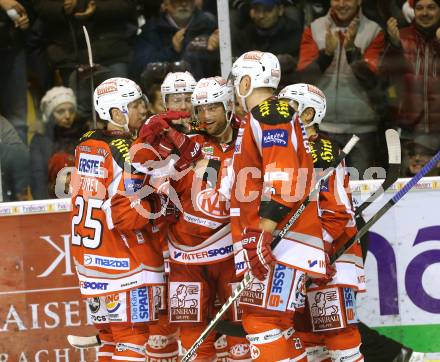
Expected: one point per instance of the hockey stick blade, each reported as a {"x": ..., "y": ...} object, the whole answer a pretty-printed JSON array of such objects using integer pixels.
[
  {"x": 91, "y": 64},
  {"x": 397, "y": 196},
  {"x": 247, "y": 279},
  {"x": 394, "y": 163},
  {"x": 83, "y": 342}
]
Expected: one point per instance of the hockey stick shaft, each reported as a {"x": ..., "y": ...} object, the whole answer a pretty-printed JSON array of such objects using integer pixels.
[
  {"x": 397, "y": 196},
  {"x": 394, "y": 162},
  {"x": 92, "y": 82},
  {"x": 247, "y": 279}
]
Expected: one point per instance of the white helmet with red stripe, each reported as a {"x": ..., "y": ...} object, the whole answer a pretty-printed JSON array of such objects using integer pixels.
[
  {"x": 307, "y": 96},
  {"x": 176, "y": 83},
  {"x": 263, "y": 68},
  {"x": 213, "y": 90},
  {"x": 116, "y": 93}
]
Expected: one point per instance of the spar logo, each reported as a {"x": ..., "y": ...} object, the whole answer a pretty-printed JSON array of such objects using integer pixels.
[
  {"x": 112, "y": 302},
  {"x": 213, "y": 204}
]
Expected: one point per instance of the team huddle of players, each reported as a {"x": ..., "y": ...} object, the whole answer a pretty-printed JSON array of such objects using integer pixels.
[{"x": 165, "y": 226}]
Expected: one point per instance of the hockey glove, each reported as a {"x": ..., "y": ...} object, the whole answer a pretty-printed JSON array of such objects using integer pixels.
[
  {"x": 156, "y": 125},
  {"x": 257, "y": 250},
  {"x": 160, "y": 203},
  {"x": 190, "y": 151},
  {"x": 330, "y": 269}
]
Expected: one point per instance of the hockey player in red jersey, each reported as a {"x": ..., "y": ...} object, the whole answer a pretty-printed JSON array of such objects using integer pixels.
[
  {"x": 331, "y": 298},
  {"x": 201, "y": 251},
  {"x": 153, "y": 144},
  {"x": 273, "y": 174},
  {"x": 119, "y": 272}
]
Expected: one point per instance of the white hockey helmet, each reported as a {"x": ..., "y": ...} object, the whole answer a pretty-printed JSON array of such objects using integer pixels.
[
  {"x": 116, "y": 93},
  {"x": 213, "y": 90},
  {"x": 176, "y": 83},
  {"x": 307, "y": 96},
  {"x": 262, "y": 67}
]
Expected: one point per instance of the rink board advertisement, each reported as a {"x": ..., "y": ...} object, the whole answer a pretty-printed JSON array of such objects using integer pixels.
[
  {"x": 40, "y": 301},
  {"x": 403, "y": 266}
]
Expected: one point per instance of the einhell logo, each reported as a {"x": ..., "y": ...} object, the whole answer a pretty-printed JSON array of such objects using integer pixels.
[
  {"x": 201, "y": 95},
  {"x": 220, "y": 80},
  {"x": 315, "y": 90},
  {"x": 107, "y": 87},
  {"x": 253, "y": 56},
  {"x": 180, "y": 84}
]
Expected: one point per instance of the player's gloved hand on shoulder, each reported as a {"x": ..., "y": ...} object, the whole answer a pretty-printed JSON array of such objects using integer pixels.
[
  {"x": 330, "y": 269},
  {"x": 189, "y": 150},
  {"x": 164, "y": 210},
  {"x": 156, "y": 125},
  {"x": 258, "y": 252}
]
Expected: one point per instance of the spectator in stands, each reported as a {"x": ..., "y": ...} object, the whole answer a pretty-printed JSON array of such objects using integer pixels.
[
  {"x": 109, "y": 22},
  {"x": 270, "y": 30},
  {"x": 340, "y": 54},
  {"x": 419, "y": 152},
  {"x": 411, "y": 62},
  {"x": 13, "y": 23},
  {"x": 181, "y": 31},
  {"x": 14, "y": 163},
  {"x": 54, "y": 144}
]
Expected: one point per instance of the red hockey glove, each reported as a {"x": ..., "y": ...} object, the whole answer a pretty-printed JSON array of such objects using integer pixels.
[
  {"x": 164, "y": 148},
  {"x": 189, "y": 150},
  {"x": 155, "y": 126},
  {"x": 160, "y": 203},
  {"x": 330, "y": 269},
  {"x": 258, "y": 252}
]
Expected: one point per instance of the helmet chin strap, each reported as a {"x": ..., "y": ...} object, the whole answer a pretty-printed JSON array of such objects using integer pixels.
[
  {"x": 243, "y": 97},
  {"x": 228, "y": 122},
  {"x": 125, "y": 125}
]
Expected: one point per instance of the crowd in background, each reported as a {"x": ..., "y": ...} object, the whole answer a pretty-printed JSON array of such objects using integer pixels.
[{"x": 378, "y": 63}]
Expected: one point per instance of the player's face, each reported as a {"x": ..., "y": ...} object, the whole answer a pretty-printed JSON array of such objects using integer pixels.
[
  {"x": 265, "y": 17},
  {"x": 427, "y": 13},
  {"x": 180, "y": 102},
  {"x": 345, "y": 10},
  {"x": 64, "y": 115},
  {"x": 212, "y": 118},
  {"x": 137, "y": 114}
]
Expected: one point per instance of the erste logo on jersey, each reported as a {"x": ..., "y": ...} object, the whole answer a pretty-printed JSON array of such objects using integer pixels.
[
  {"x": 282, "y": 280},
  {"x": 213, "y": 203},
  {"x": 275, "y": 137},
  {"x": 90, "y": 165}
]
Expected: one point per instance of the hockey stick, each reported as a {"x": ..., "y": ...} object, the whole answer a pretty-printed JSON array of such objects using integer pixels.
[
  {"x": 247, "y": 279},
  {"x": 394, "y": 162},
  {"x": 92, "y": 85},
  {"x": 397, "y": 196}
]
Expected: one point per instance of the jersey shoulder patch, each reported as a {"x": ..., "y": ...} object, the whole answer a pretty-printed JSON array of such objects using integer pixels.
[
  {"x": 272, "y": 111},
  {"x": 324, "y": 151}
]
